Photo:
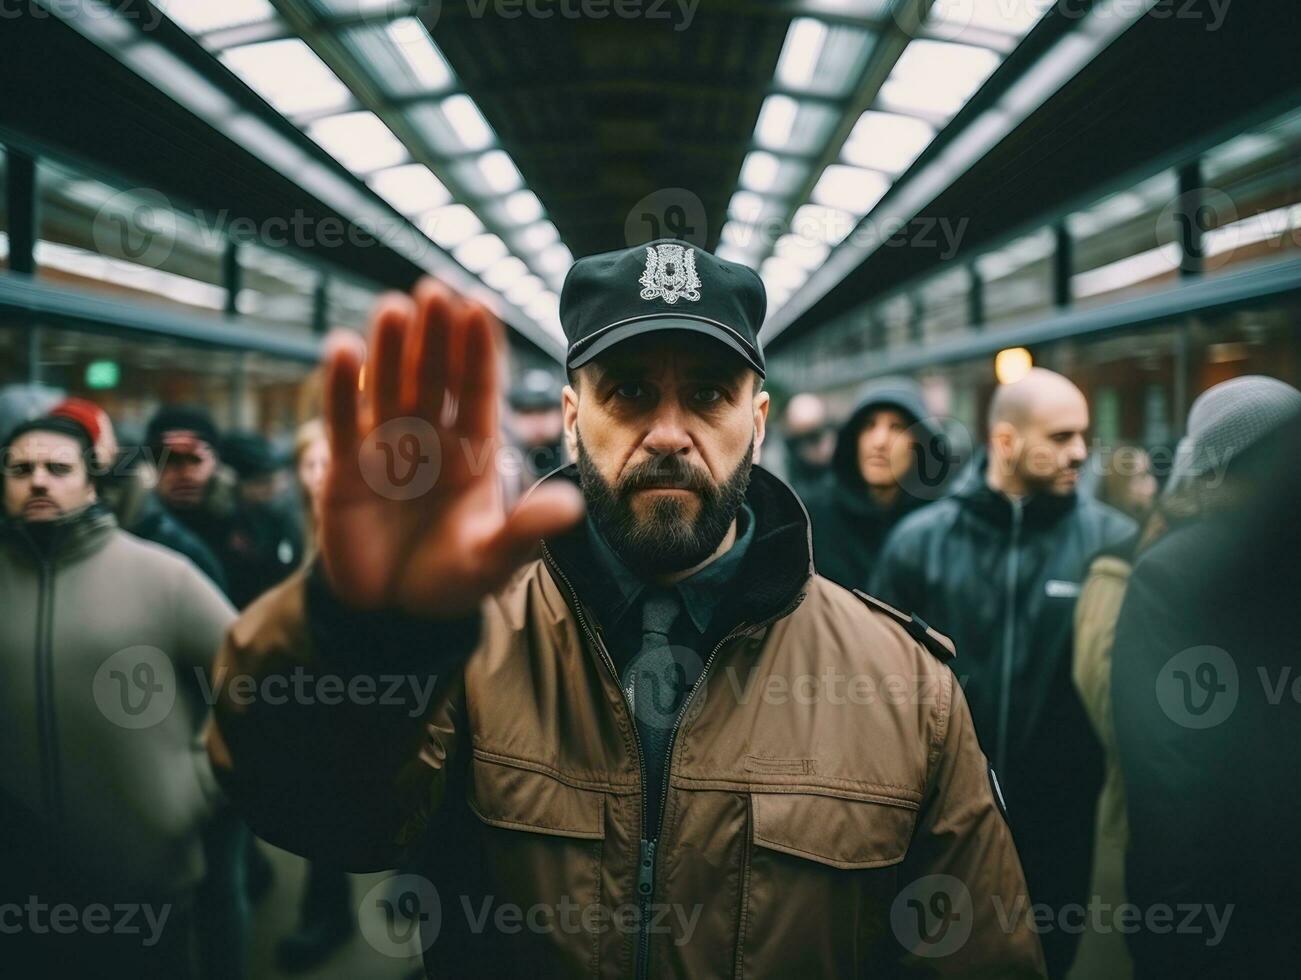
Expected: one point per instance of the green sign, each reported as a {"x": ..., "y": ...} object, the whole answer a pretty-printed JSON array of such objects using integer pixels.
[{"x": 102, "y": 374}]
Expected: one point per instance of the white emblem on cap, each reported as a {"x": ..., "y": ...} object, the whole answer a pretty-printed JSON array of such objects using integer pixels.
[{"x": 670, "y": 274}]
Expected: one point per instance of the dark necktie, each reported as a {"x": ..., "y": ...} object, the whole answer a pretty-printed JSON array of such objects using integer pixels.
[
  {"x": 655, "y": 683},
  {"x": 654, "y": 680}
]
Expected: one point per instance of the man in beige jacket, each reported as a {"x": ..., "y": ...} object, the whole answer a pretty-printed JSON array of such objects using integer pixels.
[{"x": 665, "y": 748}]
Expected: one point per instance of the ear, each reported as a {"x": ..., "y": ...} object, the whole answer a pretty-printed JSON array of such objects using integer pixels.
[
  {"x": 1004, "y": 441},
  {"x": 569, "y": 406},
  {"x": 762, "y": 402}
]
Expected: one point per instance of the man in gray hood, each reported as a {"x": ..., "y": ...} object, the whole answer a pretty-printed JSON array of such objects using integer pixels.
[{"x": 891, "y": 457}]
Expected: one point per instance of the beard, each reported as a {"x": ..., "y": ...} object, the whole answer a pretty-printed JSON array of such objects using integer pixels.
[
  {"x": 666, "y": 539},
  {"x": 1058, "y": 485}
]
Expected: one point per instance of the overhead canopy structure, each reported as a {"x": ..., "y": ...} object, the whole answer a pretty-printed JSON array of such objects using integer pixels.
[{"x": 491, "y": 142}]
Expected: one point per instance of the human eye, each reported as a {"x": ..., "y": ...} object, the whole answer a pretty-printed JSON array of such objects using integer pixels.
[{"x": 630, "y": 390}]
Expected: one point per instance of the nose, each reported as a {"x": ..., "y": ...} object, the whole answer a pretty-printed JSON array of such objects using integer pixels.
[{"x": 668, "y": 433}]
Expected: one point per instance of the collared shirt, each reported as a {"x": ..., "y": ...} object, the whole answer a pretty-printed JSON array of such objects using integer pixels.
[{"x": 700, "y": 594}]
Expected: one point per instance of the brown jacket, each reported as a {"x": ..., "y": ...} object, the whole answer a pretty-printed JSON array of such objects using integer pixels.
[
  {"x": 1103, "y": 954},
  {"x": 828, "y": 812}
]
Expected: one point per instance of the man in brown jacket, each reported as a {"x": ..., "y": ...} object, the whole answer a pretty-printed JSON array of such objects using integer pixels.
[{"x": 666, "y": 747}]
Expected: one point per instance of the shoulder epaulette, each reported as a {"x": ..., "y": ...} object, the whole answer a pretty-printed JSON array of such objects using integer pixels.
[{"x": 929, "y": 637}]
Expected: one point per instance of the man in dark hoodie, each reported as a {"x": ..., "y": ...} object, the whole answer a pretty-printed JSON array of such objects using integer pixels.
[
  {"x": 890, "y": 458},
  {"x": 998, "y": 566}
]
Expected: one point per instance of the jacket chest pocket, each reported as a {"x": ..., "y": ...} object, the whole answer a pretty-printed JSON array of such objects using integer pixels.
[
  {"x": 540, "y": 841},
  {"x": 822, "y": 874}
]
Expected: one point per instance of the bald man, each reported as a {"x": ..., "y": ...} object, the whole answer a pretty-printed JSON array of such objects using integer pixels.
[{"x": 997, "y": 566}]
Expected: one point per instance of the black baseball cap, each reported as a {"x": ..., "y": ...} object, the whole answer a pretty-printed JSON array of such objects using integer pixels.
[{"x": 663, "y": 285}]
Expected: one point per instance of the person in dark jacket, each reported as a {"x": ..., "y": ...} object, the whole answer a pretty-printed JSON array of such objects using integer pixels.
[
  {"x": 808, "y": 441},
  {"x": 1205, "y": 698},
  {"x": 264, "y": 544},
  {"x": 196, "y": 491},
  {"x": 120, "y": 482},
  {"x": 997, "y": 566},
  {"x": 880, "y": 472},
  {"x": 257, "y": 545}
]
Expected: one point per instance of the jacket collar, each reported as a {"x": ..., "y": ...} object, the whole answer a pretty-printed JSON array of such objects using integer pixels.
[
  {"x": 772, "y": 576},
  {"x": 67, "y": 539},
  {"x": 1037, "y": 510}
]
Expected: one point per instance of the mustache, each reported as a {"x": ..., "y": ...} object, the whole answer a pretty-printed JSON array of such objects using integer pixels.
[{"x": 665, "y": 471}]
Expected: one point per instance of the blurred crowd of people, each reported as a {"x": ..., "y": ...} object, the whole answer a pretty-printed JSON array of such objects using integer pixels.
[{"x": 1102, "y": 625}]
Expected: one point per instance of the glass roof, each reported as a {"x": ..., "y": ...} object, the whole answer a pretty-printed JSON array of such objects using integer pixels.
[
  {"x": 944, "y": 63},
  {"x": 381, "y": 98}
]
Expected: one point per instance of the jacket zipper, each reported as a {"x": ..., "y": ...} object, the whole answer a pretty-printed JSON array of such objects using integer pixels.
[
  {"x": 646, "y": 847},
  {"x": 1009, "y": 639},
  {"x": 45, "y": 721},
  {"x": 740, "y": 632}
]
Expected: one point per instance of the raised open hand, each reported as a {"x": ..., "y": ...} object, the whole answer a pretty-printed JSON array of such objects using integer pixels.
[{"x": 411, "y": 512}]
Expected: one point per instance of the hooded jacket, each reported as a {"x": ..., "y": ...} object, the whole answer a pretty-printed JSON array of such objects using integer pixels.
[
  {"x": 114, "y": 791},
  {"x": 1002, "y": 577},
  {"x": 801, "y": 834},
  {"x": 256, "y": 546},
  {"x": 849, "y": 525}
]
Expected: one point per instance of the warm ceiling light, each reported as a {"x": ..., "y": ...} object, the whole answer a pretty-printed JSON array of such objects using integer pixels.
[{"x": 1012, "y": 364}]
